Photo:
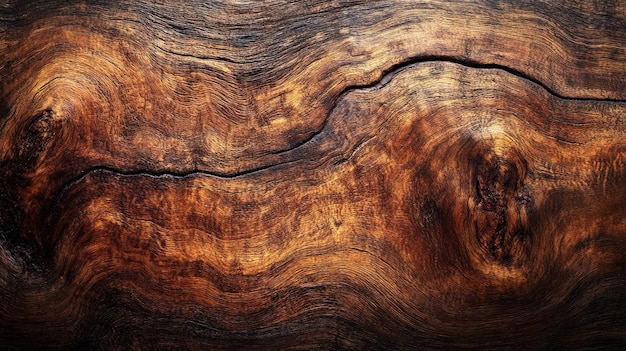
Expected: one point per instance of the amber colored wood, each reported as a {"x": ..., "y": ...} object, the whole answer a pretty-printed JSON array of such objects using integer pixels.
[{"x": 282, "y": 175}]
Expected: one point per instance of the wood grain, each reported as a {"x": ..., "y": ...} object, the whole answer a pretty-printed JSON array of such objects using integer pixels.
[{"x": 313, "y": 175}]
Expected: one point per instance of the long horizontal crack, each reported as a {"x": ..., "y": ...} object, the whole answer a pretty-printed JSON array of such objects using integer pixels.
[
  {"x": 391, "y": 71},
  {"x": 385, "y": 77},
  {"x": 167, "y": 174}
]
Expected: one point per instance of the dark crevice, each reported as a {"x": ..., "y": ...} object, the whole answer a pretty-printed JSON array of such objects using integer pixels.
[
  {"x": 386, "y": 76},
  {"x": 312, "y": 136},
  {"x": 470, "y": 63},
  {"x": 168, "y": 174}
]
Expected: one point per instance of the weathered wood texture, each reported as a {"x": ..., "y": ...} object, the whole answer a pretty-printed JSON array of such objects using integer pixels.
[{"x": 300, "y": 175}]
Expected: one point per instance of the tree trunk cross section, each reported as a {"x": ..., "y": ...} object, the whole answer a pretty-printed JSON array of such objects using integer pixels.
[{"x": 359, "y": 175}]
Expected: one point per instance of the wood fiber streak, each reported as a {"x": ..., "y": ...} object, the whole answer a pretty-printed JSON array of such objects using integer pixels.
[{"x": 290, "y": 175}]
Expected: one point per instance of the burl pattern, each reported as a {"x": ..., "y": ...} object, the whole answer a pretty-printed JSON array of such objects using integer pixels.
[{"x": 276, "y": 175}]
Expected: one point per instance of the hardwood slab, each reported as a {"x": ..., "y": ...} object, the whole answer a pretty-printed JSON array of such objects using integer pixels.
[{"x": 302, "y": 175}]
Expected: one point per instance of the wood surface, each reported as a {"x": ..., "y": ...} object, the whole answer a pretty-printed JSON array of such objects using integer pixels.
[{"x": 282, "y": 175}]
